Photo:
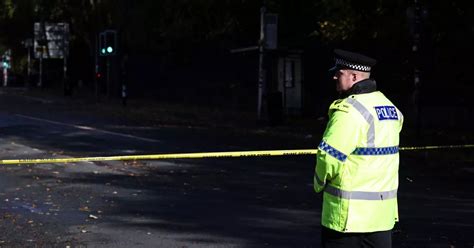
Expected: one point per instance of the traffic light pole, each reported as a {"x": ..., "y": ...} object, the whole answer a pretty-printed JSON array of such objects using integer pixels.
[
  {"x": 108, "y": 48},
  {"x": 5, "y": 76},
  {"x": 417, "y": 67},
  {"x": 28, "y": 69},
  {"x": 108, "y": 76},
  {"x": 261, "y": 70},
  {"x": 40, "y": 80},
  {"x": 66, "y": 85},
  {"x": 6, "y": 61},
  {"x": 96, "y": 75}
]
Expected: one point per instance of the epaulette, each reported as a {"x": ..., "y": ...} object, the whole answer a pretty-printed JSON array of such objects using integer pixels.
[{"x": 341, "y": 105}]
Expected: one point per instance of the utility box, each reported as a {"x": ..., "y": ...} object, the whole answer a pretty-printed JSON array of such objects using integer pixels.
[{"x": 290, "y": 82}]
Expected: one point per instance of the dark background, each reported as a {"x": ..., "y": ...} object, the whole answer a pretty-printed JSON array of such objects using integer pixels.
[{"x": 179, "y": 50}]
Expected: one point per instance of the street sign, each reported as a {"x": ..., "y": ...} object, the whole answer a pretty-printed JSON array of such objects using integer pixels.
[
  {"x": 51, "y": 40},
  {"x": 271, "y": 31}
]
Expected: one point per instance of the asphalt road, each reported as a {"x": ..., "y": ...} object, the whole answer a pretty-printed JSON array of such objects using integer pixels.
[{"x": 224, "y": 202}]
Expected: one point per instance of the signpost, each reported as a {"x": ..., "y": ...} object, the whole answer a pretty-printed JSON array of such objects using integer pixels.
[
  {"x": 28, "y": 43},
  {"x": 268, "y": 41}
]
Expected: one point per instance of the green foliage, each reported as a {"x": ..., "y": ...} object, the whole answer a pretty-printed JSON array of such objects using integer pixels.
[
  {"x": 6, "y": 9},
  {"x": 339, "y": 20},
  {"x": 161, "y": 26}
]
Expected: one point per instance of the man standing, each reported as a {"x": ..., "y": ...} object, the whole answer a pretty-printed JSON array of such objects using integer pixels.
[{"x": 357, "y": 160}]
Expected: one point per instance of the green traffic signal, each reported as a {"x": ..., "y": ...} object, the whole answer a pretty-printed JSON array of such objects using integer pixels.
[
  {"x": 107, "y": 43},
  {"x": 6, "y": 62}
]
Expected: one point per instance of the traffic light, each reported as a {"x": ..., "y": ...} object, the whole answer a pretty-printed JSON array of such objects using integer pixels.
[
  {"x": 108, "y": 43},
  {"x": 6, "y": 61}
]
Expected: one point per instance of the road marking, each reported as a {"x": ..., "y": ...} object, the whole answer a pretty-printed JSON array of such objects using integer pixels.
[
  {"x": 37, "y": 99},
  {"x": 87, "y": 128}
]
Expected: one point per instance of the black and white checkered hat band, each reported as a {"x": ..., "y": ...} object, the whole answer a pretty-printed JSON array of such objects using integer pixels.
[{"x": 353, "y": 66}]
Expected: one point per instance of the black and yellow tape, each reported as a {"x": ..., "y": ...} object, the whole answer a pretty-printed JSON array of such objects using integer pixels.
[
  {"x": 414, "y": 148},
  {"x": 200, "y": 155},
  {"x": 163, "y": 156}
]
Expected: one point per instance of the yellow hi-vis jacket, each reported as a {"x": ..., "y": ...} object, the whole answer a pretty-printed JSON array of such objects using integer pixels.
[{"x": 357, "y": 164}]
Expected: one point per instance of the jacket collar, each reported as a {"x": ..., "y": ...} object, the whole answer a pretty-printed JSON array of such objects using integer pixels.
[{"x": 361, "y": 87}]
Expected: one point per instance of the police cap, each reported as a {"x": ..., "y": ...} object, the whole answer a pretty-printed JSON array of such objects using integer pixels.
[{"x": 351, "y": 60}]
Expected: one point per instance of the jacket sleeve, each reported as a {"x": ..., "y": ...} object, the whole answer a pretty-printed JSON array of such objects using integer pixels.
[
  {"x": 339, "y": 141},
  {"x": 401, "y": 120}
]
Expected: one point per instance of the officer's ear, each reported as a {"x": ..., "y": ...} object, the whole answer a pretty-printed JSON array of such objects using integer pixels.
[{"x": 353, "y": 76}]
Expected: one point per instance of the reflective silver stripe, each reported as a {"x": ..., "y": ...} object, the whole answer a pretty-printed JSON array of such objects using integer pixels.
[
  {"x": 368, "y": 117},
  {"x": 360, "y": 195}
]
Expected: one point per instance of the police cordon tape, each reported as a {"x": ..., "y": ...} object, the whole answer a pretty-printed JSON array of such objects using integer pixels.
[
  {"x": 412, "y": 148},
  {"x": 200, "y": 155},
  {"x": 164, "y": 156}
]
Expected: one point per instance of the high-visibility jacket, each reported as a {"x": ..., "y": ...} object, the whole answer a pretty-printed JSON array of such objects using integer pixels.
[{"x": 357, "y": 164}]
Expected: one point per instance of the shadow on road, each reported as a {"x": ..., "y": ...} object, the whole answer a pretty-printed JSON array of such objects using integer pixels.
[{"x": 243, "y": 201}]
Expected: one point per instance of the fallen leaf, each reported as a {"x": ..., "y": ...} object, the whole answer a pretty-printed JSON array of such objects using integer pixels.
[
  {"x": 93, "y": 217},
  {"x": 84, "y": 209}
]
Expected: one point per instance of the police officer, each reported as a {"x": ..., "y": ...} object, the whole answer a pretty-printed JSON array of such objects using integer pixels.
[{"x": 357, "y": 160}]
